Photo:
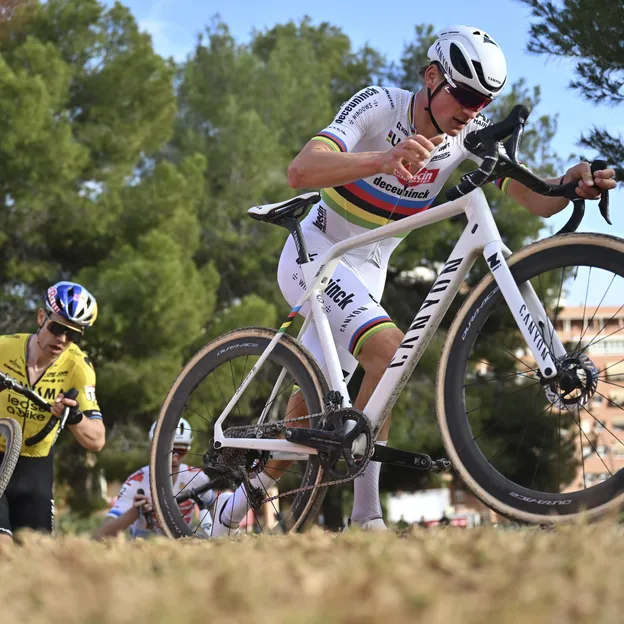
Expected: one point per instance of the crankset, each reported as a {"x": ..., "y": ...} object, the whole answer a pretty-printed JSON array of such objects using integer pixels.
[{"x": 344, "y": 442}]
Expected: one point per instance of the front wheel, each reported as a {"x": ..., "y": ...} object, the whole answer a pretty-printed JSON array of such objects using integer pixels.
[
  {"x": 202, "y": 391},
  {"x": 541, "y": 452},
  {"x": 12, "y": 433}
]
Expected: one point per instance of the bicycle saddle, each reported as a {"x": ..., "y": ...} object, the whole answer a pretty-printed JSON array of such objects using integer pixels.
[{"x": 291, "y": 208}]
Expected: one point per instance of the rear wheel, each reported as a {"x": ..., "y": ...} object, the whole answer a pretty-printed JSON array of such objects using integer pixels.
[
  {"x": 537, "y": 452},
  {"x": 12, "y": 433},
  {"x": 202, "y": 391}
]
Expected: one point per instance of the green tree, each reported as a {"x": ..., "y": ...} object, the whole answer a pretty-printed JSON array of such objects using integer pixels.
[
  {"x": 85, "y": 96},
  {"x": 591, "y": 33},
  {"x": 249, "y": 109}
]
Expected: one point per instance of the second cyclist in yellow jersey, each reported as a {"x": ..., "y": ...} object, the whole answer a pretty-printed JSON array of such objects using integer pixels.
[
  {"x": 72, "y": 369},
  {"x": 50, "y": 362}
]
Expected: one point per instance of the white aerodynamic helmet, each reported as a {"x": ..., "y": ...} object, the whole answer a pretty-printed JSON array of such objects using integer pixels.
[
  {"x": 183, "y": 435},
  {"x": 470, "y": 57}
]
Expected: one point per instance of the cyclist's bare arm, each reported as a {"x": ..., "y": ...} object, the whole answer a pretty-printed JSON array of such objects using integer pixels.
[
  {"x": 90, "y": 433},
  {"x": 318, "y": 166},
  {"x": 588, "y": 188},
  {"x": 111, "y": 525}
]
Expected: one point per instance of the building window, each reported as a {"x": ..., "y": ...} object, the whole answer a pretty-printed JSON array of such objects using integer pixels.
[
  {"x": 606, "y": 346},
  {"x": 596, "y": 401},
  {"x": 616, "y": 399},
  {"x": 618, "y": 450},
  {"x": 618, "y": 424},
  {"x": 590, "y": 478}
]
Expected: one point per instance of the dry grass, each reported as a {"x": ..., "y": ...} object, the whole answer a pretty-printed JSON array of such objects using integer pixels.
[{"x": 447, "y": 576}]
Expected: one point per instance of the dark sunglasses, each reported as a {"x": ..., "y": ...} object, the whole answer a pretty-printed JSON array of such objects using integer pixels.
[
  {"x": 58, "y": 330},
  {"x": 468, "y": 98}
]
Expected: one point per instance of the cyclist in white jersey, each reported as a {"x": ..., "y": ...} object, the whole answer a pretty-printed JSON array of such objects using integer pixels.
[
  {"x": 133, "y": 510},
  {"x": 380, "y": 139}
]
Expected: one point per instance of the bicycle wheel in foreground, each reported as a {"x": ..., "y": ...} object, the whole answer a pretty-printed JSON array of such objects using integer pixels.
[
  {"x": 541, "y": 452},
  {"x": 12, "y": 433},
  {"x": 201, "y": 392}
]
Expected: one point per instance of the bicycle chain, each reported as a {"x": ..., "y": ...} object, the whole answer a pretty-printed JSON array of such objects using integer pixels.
[{"x": 278, "y": 426}]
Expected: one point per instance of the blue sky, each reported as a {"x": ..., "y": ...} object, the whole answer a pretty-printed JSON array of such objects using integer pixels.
[{"x": 175, "y": 24}]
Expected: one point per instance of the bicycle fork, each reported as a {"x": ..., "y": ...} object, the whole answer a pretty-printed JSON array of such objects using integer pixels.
[{"x": 528, "y": 312}]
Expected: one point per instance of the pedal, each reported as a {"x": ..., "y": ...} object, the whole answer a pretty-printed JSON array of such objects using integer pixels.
[{"x": 441, "y": 465}]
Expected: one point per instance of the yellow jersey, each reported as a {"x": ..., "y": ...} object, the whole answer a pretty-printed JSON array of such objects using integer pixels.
[{"x": 72, "y": 369}]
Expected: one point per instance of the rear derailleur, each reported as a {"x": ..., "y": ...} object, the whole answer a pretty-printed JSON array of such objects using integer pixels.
[{"x": 228, "y": 468}]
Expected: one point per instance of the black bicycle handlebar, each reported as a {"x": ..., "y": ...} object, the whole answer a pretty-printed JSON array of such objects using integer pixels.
[
  {"x": 501, "y": 160},
  {"x": 9, "y": 383},
  {"x": 6, "y": 381}
]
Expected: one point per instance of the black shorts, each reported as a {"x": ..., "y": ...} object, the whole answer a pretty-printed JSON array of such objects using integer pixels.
[{"x": 28, "y": 501}]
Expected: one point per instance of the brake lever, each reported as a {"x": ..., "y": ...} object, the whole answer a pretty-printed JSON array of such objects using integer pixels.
[
  {"x": 512, "y": 145},
  {"x": 603, "y": 204},
  {"x": 578, "y": 211}
]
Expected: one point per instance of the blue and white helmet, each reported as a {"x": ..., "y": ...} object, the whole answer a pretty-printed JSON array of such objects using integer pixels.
[{"x": 73, "y": 302}]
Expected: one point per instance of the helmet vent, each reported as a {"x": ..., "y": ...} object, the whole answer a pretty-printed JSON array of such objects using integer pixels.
[
  {"x": 459, "y": 62},
  {"x": 482, "y": 80},
  {"x": 486, "y": 39}
]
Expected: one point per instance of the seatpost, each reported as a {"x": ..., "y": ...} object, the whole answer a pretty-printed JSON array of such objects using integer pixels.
[{"x": 294, "y": 227}]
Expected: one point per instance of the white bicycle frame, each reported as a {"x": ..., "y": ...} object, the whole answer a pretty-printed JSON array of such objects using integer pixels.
[{"x": 481, "y": 236}]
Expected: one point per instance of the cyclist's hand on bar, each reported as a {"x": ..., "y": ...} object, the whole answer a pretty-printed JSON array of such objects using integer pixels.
[{"x": 590, "y": 187}]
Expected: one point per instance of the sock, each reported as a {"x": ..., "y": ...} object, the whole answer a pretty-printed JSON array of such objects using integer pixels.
[
  {"x": 237, "y": 506},
  {"x": 366, "y": 503}
]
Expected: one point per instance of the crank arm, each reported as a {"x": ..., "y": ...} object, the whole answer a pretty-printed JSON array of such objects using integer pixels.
[
  {"x": 417, "y": 461},
  {"x": 397, "y": 457},
  {"x": 327, "y": 441}
]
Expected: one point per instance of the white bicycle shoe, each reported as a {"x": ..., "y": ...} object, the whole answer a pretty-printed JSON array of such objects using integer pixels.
[{"x": 376, "y": 525}]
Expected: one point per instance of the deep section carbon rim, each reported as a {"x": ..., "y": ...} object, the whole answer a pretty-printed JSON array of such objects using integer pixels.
[
  {"x": 540, "y": 451},
  {"x": 201, "y": 393}
]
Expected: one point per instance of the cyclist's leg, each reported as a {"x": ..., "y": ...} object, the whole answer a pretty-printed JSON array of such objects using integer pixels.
[
  {"x": 32, "y": 499},
  {"x": 363, "y": 333},
  {"x": 296, "y": 407},
  {"x": 354, "y": 315},
  {"x": 375, "y": 355}
]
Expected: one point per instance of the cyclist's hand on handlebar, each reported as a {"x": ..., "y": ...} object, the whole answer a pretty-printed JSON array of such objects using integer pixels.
[
  {"x": 141, "y": 501},
  {"x": 60, "y": 403},
  {"x": 410, "y": 154},
  {"x": 590, "y": 187}
]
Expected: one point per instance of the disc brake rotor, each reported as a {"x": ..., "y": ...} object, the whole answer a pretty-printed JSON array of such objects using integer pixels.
[{"x": 575, "y": 384}]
